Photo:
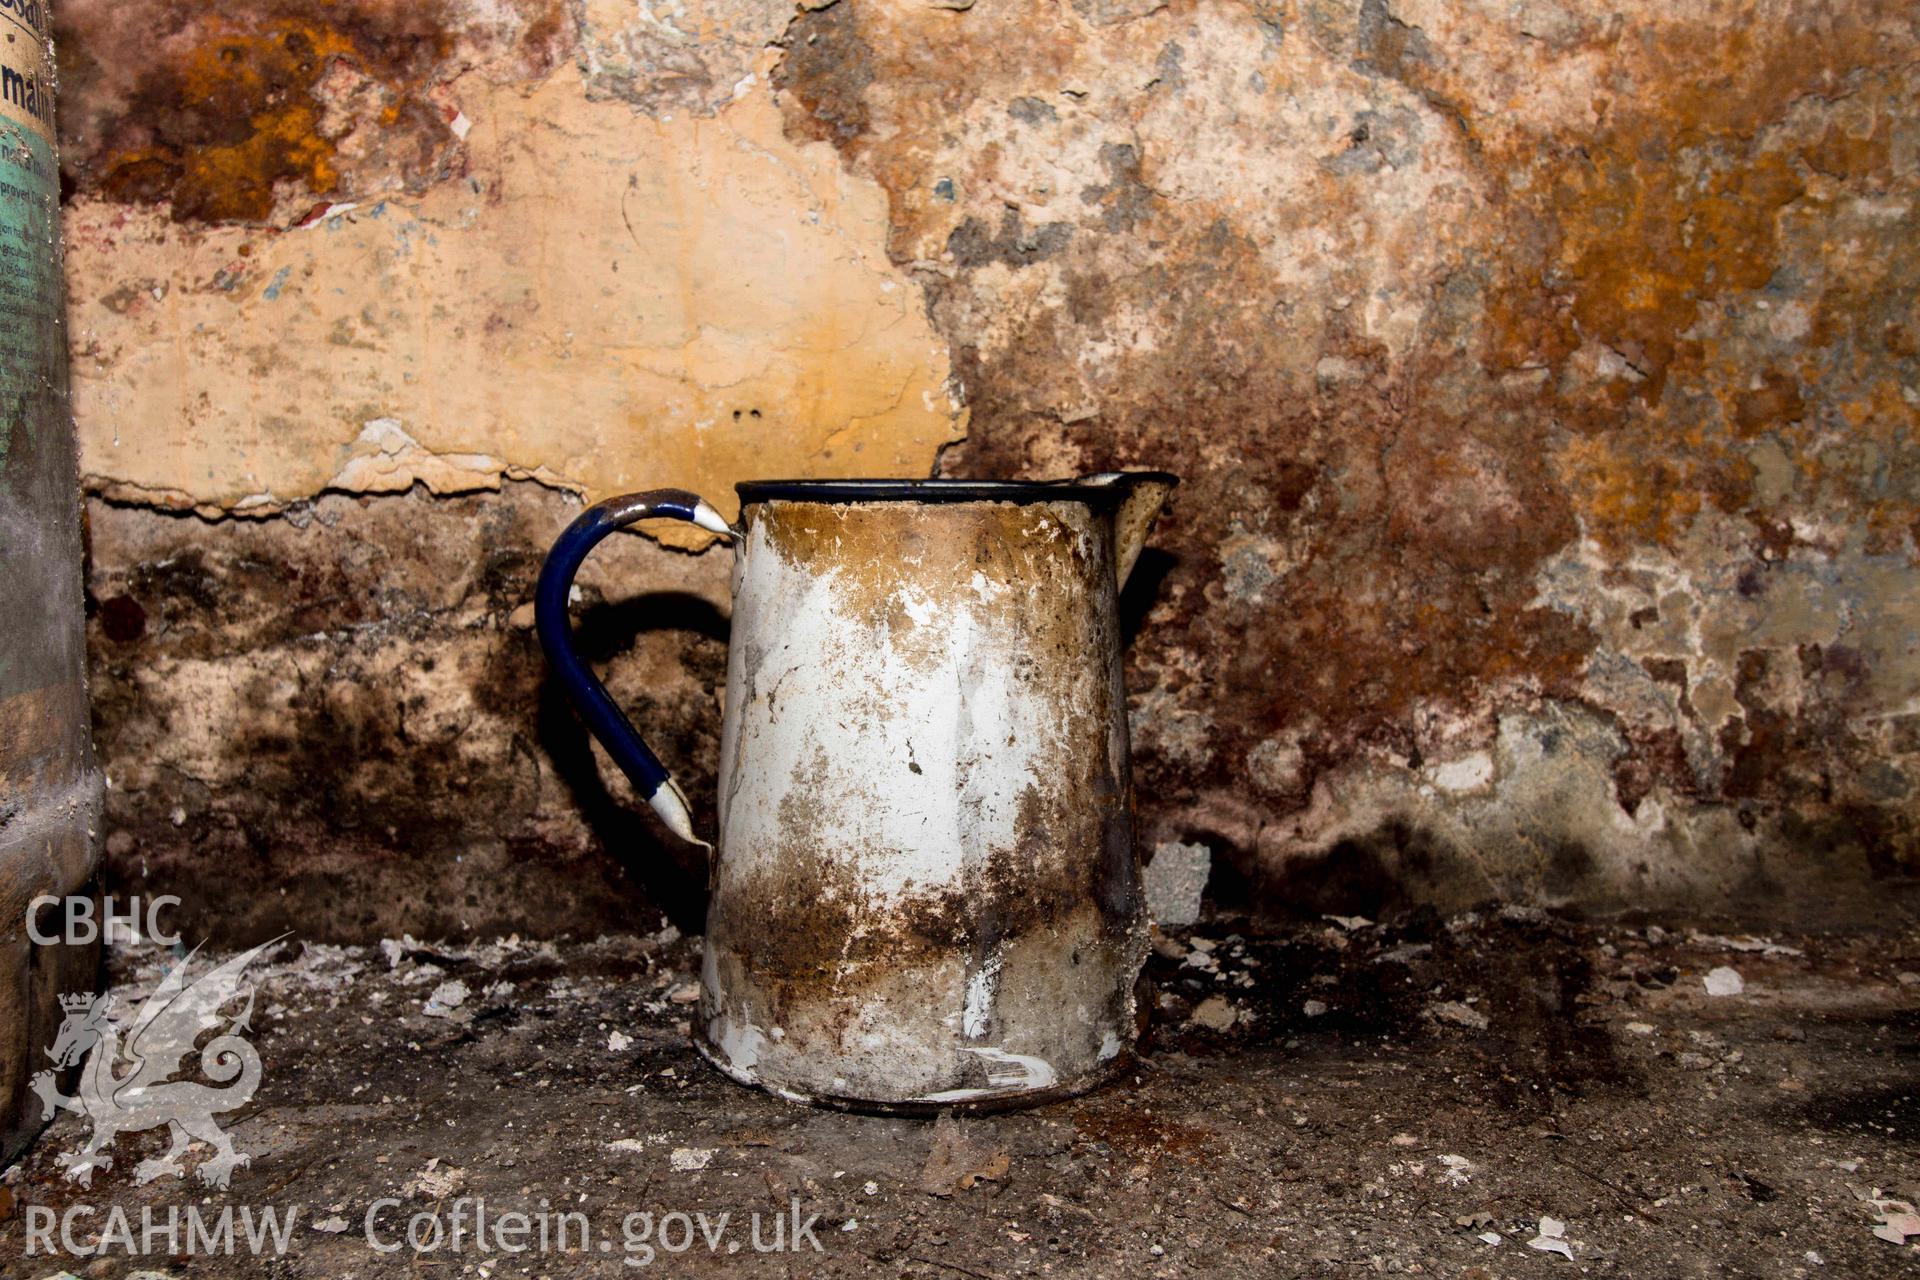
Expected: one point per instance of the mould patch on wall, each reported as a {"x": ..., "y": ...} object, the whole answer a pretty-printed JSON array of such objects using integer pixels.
[
  {"x": 339, "y": 720},
  {"x": 1426, "y": 301}
]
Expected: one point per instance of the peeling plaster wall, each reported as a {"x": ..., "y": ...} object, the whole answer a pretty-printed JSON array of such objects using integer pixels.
[
  {"x": 339, "y": 722},
  {"x": 1545, "y": 379},
  {"x": 598, "y": 300}
]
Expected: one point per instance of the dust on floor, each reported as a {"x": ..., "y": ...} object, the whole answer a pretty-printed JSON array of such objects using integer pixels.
[{"x": 1499, "y": 1094}]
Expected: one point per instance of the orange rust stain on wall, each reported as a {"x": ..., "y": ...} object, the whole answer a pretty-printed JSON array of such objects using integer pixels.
[
  {"x": 1644, "y": 243},
  {"x": 1653, "y": 221},
  {"x": 1679, "y": 201},
  {"x": 228, "y": 106},
  {"x": 242, "y": 119}
]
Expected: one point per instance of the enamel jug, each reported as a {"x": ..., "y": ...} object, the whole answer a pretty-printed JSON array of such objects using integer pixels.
[{"x": 925, "y": 891}]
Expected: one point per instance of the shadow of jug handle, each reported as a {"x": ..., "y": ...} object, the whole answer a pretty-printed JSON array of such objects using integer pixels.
[{"x": 603, "y": 717}]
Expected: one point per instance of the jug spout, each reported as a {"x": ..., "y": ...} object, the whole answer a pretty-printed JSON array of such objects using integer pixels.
[{"x": 1146, "y": 492}]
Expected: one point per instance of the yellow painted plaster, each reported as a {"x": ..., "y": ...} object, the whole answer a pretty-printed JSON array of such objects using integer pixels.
[{"x": 606, "y": 302}]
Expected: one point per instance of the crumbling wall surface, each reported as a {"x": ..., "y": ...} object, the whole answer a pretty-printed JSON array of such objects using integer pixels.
[
  {"x": 1544, "y": 379},
  {"x": 340, "y": 723}
]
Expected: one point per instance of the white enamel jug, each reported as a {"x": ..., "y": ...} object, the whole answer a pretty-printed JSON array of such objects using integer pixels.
[{"x": 925, "y": 891}]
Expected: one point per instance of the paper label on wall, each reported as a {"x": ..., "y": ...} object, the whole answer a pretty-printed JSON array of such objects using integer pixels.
[
  {"x": 29, "y": 224},
  {"x": 38, "y": 526},
  {"x": 26, "y": 82}
]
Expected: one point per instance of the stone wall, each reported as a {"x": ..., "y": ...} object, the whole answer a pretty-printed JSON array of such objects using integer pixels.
[{"x": 1545, "y": 379}]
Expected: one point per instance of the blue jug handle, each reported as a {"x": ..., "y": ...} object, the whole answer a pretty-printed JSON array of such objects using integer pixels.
[{"x": 603, "y": 717}]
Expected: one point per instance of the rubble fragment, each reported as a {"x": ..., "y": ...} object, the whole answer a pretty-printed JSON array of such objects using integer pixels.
[
  {"x": 435, "y": 1182},
  {"x": 1724, "y": 981},
  {"x": 1745, "y": 943},
  {"x": 446, "y": 998},
  {"x": 1175, "y": 882},
  {"x": 1215, "y": 1014},
  {"x": 958, "y": 1161},
  {"x": 1458, "y": 1014},
  {"x": 1895, "y": 1220},
  {"x": 1552, "y": 1238}
]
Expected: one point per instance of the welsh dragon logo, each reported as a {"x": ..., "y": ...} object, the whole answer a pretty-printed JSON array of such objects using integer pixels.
[{"x": 156, "y": 1046}]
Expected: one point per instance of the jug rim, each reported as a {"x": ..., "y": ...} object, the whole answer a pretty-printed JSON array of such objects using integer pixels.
[{"x": 1109, "y": 489}]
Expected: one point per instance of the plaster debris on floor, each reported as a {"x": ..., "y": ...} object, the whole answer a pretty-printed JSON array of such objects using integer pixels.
[{"x": 1605, "y": 1109}]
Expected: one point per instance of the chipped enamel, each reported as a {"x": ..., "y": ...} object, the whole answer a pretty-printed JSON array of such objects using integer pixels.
[{"x": 925, "y": 880}]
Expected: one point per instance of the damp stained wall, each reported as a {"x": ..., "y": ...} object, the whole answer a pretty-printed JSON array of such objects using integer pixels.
[{"x": 1544, "y": 378}]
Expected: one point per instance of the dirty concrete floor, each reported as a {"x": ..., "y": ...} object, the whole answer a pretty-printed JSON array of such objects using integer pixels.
[{"x": 1342, "y": 1097}]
